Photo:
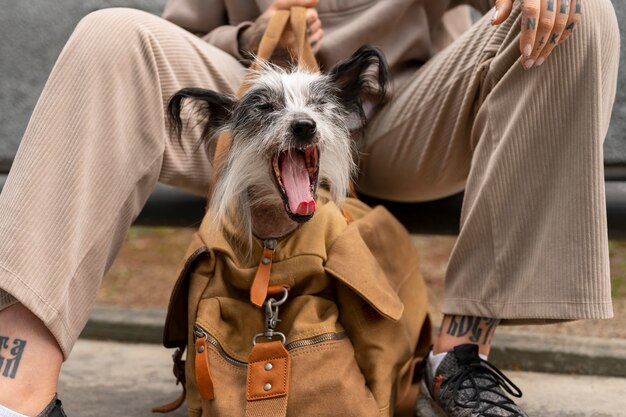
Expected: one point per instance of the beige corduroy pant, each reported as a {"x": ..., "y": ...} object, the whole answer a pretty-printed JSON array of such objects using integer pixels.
[{"x": 525, "y": 145}]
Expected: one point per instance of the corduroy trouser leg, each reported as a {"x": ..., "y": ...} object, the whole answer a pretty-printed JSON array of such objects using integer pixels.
[
  {"x": 94, "y": 149},
  {"x": 526, "y": 146}
]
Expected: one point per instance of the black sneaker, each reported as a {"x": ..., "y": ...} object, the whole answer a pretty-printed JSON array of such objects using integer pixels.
[
  {"x": 54, "y": 409},
  {"x": 466, "y": 386}
]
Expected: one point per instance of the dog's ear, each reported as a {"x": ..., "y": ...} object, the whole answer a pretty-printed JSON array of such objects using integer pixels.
[
  {"x": 364, "y": 74},
  {"x": 210, "y": 107}
]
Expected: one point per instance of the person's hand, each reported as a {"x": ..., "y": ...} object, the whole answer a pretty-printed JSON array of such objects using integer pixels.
[
  {"x": 545, "y": 24},
  {"x": 250, "y": 38}
]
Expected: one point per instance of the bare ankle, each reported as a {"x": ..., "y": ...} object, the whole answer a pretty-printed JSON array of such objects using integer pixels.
[
  {"x": 459, "y": 330},
  {"x": 32, "y": 361}
]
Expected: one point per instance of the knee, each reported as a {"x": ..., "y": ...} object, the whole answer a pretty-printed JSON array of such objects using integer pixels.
[{"x": 109, "y": 32}]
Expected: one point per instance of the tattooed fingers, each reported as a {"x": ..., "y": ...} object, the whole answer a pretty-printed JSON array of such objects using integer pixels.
[
  {"x": 575, "y": 12},
  {"x": 561, "y": 15},
  {"x": 557, "y": 19},
  {"x": 545, "y": 24},
  {"x": 538, "y": 18}
]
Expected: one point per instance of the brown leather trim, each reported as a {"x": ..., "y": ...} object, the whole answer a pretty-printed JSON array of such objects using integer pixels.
[
  {"x": 269, "y": 369},
  {"x": 258, "y": 290},
  {"x": 274, "y": 290},
  {"x": 174, "y": 405},
  {"x": 204, "y": 381}
]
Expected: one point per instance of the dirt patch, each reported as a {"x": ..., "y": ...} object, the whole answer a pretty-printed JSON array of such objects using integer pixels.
[{"x": 145, "y": 270}]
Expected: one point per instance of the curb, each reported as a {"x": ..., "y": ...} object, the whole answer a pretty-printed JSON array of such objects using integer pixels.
[{"x": 531, "y": 352}]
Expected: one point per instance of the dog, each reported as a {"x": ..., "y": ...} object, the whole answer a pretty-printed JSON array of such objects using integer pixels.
[
  {"x": 339, "y": 280},
  {"x": 292, "y": 132}
]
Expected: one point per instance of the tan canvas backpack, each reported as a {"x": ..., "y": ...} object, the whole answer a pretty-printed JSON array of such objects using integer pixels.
[{"x": 329, "y": 321}]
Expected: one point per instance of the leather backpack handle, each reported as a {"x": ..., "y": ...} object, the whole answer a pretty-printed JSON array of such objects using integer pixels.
[
  {"x": 305, "y": 53},
  {"x": 296, "y": 17}
]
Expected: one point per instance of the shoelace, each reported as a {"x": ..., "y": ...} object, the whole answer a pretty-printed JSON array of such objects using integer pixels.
[{"x": 482, "y": 369}]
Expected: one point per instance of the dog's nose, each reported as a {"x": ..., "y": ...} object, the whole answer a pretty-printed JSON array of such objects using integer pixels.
[{"x": 303, "y": 129}]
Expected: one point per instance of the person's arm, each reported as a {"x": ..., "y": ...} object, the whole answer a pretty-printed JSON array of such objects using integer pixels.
[{"x": 209, "y": 20}]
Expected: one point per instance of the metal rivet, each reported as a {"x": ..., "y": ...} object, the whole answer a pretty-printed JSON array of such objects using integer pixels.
[
  {"x": 265, "y": 261},
  {"x": 267, "y": 386},
  {"x": 200, "y": 349},
  {"x": 268, "y": 366}
]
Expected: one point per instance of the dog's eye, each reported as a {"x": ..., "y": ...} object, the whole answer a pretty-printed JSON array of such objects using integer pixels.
[
  {"x": 266, "y": 107},
  {"x": 319, "y": 101}
]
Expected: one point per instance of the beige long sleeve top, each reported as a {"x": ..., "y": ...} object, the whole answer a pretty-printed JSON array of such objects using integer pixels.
[{"x": 409, "y": 32}]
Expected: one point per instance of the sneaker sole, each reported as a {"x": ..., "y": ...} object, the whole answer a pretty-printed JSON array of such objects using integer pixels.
[{"x": 426, "y": 405}]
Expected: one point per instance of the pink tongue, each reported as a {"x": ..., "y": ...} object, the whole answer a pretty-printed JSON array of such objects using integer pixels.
[{"x": 296, "y": 181}]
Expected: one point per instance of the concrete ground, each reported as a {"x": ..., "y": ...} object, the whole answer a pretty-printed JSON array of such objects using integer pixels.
[{"x": 110, "y": 379}]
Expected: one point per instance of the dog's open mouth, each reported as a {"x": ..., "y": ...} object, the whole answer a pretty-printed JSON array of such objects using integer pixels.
[{"x": 296, "y": 172}]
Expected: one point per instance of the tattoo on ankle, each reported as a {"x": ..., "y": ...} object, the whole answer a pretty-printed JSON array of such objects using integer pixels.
[
  {"x": 10, "y": 356},
  {"x": 479, "y": 329}
]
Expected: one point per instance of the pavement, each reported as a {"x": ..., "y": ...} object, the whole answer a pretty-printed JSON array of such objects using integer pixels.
[
  {"x": 536, "y": 352},
  {"x": 115, "y": 379}
]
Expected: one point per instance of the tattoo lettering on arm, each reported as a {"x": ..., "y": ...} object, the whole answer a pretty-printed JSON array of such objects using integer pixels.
[
  {"x": 250, "y": 38},
  {"x": 10, "y": 356}
]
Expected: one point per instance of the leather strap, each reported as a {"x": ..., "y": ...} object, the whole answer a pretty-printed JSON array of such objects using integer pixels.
[
  {"x": 258, "y": 289},
  {"x": 174, "y": 405},
  {"x": 179, "y": 373},
  {"x": 271, "y": 37},
  {"x": 304, "y": 52},
  {"x": 204, "y": 381},
  {"x": 267, "y": 383}
]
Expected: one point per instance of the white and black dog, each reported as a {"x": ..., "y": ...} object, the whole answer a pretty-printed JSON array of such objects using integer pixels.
[{"x": 291, "y": 131}]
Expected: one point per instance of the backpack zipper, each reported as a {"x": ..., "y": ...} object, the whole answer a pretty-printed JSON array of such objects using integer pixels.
[
  {"x": 199, "y": 332},
  {"x": 326, "y": 337}
]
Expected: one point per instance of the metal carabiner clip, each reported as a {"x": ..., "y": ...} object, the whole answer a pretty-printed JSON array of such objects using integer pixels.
[{"x": 271, "y": 319}]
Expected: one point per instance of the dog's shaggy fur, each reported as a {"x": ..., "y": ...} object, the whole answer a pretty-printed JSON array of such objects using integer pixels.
[{"x": 284, "y": 114}]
